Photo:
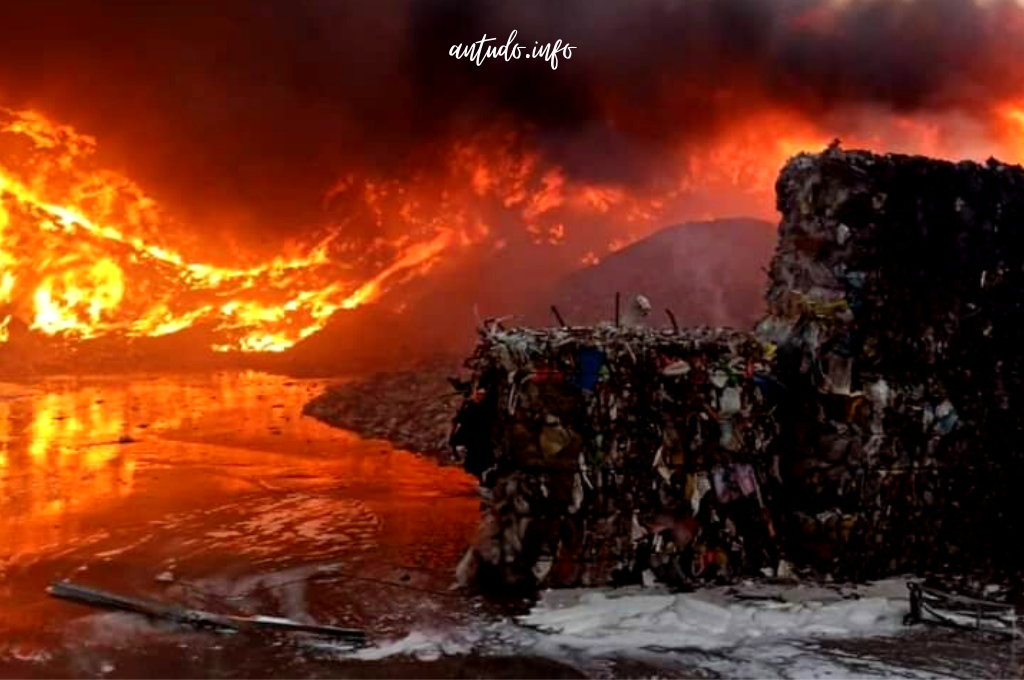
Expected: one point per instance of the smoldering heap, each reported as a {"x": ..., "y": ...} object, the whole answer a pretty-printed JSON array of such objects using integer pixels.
[
  {"x": 871, "y": 425},
  {"x": 614, "y": 451},
  {"x": 895, "y": 300}
]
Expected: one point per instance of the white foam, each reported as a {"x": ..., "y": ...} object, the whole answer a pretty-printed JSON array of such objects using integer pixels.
[
  {"x": 606, "y": 621},
  {"x": 423, "y": 645}
]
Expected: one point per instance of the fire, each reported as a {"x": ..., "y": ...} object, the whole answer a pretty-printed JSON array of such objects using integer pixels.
[
  {"x": 80, "y": 257},
  {"x": 78, "y": 300},
  {"x": 1012, "y": 119},
  {"x": 416, "y": 260},
  {"x": 86, "y": 253}
]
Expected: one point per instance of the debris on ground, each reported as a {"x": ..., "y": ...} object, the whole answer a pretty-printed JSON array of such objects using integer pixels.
[
  {"x": 411, "y": 409},
  {"x": 936, "y": 605},
  {"x": 619, "y": 454}
]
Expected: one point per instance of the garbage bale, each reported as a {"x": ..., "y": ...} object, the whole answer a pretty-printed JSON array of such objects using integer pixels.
[
  {"x": 619, "y": 454},
  {"x": 895, "y": 305}
]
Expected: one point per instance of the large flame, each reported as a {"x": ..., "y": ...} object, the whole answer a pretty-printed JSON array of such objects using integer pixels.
[{"x": 84, "y": 252}]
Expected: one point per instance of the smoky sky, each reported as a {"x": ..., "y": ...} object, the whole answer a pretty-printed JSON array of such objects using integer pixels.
[{"x": 250, "y": 109}]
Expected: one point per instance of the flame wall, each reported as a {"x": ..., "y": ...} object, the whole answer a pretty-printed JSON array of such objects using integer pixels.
[{"x": 253, "y": 168}]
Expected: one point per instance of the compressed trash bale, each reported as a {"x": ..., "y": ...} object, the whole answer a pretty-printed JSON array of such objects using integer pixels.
[
  {"x": 895, "y": 303},
  {"x": 614, "y": 454}
]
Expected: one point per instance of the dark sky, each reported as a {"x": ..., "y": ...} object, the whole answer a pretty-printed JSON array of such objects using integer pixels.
[{"x": 250, "y": 109}]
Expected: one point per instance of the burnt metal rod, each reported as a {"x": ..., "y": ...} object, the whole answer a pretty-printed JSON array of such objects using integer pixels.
[
  {"x": 561, "y": 321},
  {"x": 672, "y": 318},
  {"x": 617, "y": 310},
  {"x": 195, "y": 617}
]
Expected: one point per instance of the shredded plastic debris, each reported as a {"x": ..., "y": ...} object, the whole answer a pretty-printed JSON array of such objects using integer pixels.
[
  {"x": 871, "y": 426},
  {"x": 895, "y": 303},
  {"x": 611, "y": 451}
]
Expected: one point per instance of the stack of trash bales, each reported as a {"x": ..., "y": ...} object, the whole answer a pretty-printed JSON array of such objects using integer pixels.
[
  {"x": 619, "y": 454},
  {"x": 895, "y": 304}
]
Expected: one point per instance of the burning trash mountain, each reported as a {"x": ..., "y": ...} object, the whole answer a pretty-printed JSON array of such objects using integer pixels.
[
  {"x": 250, "y": 175},
  {"x": 868, "y": 426},
  {"x": 87, "y": 258},
  {"x": 209, "y": 209}
]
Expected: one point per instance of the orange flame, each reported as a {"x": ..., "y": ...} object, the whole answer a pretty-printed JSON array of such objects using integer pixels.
[
  {"x": 1012, "y": 117},
  {"x": 79, "y": 257},
  {"x": 84, "y": 252}
]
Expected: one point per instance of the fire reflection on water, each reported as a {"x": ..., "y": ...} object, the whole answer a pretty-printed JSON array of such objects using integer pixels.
[
  {"x": 105, "y": 462},
  {"x": 219, "y": 481},
  {"x": 59, "y": 453},
  {"x": 75, "y": 445}
]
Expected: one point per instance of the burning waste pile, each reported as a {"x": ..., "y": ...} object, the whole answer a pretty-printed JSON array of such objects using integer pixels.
[
  {"x": 615, "y": 453},
  {"x": 871, "y": 425}
]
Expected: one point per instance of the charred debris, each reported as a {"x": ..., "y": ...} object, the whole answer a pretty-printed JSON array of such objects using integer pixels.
[{"x": 871, "y": 424}]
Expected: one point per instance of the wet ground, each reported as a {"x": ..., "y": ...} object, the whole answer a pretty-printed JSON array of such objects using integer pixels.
[{"x": 212, "y": 491}]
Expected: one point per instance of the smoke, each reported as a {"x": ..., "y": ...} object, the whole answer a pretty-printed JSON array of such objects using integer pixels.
[
  {"x": 663, "y": 73},
  {"x": 245, "y": 111},
  {"x": 447, "y": 186}
]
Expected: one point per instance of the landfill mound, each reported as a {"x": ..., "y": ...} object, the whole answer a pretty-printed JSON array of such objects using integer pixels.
[
  {"x": 895, "y": 301},
  {"x": 614, "y": 451},
  {"x": 707, "y": 273},
  {"x": 411, "y": 409}
]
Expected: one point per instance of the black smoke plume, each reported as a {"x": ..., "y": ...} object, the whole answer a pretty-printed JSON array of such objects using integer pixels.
[{"x": 247, "y": 110}]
